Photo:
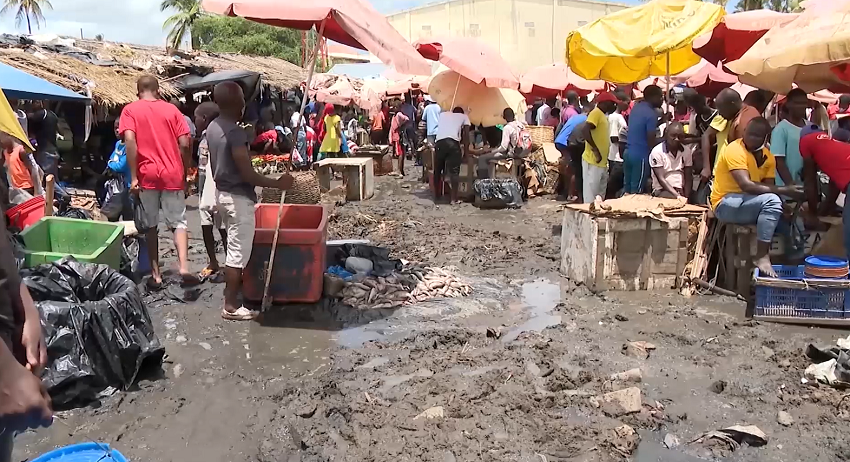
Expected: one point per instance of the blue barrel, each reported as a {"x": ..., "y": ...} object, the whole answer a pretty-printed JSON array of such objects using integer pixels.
[{"x": 83, "y": 452}]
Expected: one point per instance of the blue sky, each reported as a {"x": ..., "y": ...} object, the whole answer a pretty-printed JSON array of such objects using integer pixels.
[{"x": 134, "y": 21}]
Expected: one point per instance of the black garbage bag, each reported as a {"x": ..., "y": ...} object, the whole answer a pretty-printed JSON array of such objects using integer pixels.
[
  {"x": 74, "y": 212},
  {"x": 499, "y": 190},
  {"x": 130, "y": 258},
  {"x": 97, "y": 330},
  {"x": 382, "y": 264},
  {"x": 17, "y": 244}
]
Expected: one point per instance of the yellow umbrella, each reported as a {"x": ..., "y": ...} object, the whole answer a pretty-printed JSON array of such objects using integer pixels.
[
  {"x": 812, "y": 51},
  {"x": 633, "y": 44},
  {"x": 483, "y": 105},
  {"x": 9, "y": 122}
]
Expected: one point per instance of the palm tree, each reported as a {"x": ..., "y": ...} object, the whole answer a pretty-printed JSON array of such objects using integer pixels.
[
  {"x": 180, "y": 23},
  {"x": 749, "y": 5},
  {"x": 31, "y": 10}
]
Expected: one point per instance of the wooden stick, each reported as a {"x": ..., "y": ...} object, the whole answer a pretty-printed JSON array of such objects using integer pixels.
[
  {"x": 699, "y": 256},
  {"x": 48, "y": 195}
]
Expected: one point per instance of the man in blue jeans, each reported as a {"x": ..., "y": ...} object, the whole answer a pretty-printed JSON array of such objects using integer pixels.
[
  {"x": 832, "y": 157},
  {"x": 745, "y": 192},
  {"x": 641, "y": 138}
]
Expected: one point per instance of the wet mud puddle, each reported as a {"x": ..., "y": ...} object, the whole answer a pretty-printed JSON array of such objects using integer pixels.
[{"x": 540, "y": 299}]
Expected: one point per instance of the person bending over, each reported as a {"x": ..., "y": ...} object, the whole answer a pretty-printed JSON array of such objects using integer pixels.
[
  {"x": 509, "y": 147},
  {"x": 235, "y": 179},
  {"x": 744, "y": 191},
  {"x": 671, "y": 165}
]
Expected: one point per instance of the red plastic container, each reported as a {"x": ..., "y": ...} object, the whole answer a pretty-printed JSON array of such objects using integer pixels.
[
  {"x": 27, "y": 213},
  {"x": 299, "y": 264}
]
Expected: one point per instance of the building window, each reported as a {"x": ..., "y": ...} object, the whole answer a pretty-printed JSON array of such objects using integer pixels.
[
  {"x": 426, "y": 31},
  {"x": 531, "y": 32},
  {"x": 474, "y": 30},
  {"x": 581, "y": 23},
  {"x": 564, "y": 2},
  {"x": 529, "y": 24},
  {"x": 428, "y": 28}
]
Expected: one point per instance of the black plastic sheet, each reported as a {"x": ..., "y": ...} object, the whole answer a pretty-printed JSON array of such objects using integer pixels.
[
  {"x": 506, "y": 190},
  {"x": 382, "y": 264},
  {"x": 97, "y": 330}
]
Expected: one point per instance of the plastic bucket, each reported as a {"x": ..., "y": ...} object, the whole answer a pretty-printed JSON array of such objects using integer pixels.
[
  {"x": 27, "y": 213},
  {"x": 83, "y": 452}
]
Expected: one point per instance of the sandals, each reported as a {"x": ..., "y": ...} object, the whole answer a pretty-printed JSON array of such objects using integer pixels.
[
  {"x": 214, "y": 276},
  {"x": 242, "y": 314}
]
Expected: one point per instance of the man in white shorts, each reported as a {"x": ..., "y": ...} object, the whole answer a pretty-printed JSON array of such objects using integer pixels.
[
  {"x": 236, "y": 181},
  {"x": 205, "y": 113},
  {"x": 159, "y": 150}
]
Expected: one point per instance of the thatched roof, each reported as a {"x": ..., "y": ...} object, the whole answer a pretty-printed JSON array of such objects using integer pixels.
[
  {"x": 115, "y": 84},
  {"x": 275, "y": 71}
]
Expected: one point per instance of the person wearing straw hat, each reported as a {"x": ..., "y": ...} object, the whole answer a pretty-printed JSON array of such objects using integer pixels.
[
  {"x": 236, "y": 180},
  {"x": 597, "y": 143}
]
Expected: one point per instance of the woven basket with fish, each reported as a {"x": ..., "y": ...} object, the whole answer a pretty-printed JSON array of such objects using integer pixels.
[{"x": 305, "y": 190}]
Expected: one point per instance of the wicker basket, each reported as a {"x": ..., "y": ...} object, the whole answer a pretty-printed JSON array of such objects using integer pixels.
[
  {"x": 305, "y": 190},
  {"x": 541, "y": 135}
]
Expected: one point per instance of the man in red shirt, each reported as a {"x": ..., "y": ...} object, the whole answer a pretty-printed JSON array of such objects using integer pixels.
[
  {"x": 832, "y": 157},
  {"x": 159, "y": 150}
]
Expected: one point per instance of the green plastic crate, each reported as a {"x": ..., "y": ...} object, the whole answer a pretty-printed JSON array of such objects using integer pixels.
[{"x": 53, "y": 238}]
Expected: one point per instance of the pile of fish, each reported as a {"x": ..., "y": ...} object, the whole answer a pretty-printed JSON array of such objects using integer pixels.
[{"x": 411, "y": 285}]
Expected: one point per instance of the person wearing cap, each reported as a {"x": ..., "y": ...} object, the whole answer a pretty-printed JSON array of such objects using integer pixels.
[
  {"x": 832, "y": 157},
  {"x": 431, "y": 116},
  {"x": 597, "y": 143}
]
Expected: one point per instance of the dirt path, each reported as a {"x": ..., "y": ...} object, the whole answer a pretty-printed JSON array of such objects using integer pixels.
[{"x": 329, "y": 383}]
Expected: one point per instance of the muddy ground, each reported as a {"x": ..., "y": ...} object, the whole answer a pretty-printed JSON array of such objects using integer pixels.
[{"x": 328, "y": 383}]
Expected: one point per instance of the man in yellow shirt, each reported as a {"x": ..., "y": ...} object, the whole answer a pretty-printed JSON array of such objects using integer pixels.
[
  {"x": 597, "y": 141},
  {"x": 744, "y": 190}
]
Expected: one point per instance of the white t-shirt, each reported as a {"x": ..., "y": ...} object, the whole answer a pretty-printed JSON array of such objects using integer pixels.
[
  {"x": 293, "y": 121},
  {"x": 451, "y": 125},
  {"x": 618, "y": 129},
  {"x": 673, "y": 166}
]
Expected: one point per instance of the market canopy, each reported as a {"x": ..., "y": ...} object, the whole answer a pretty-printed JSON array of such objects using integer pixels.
[
  {"x": 9, "y": 122},
  {"x": 351, "y": 22},
  {"x": 736, "y": 33},
  {"x": 470, "y": 58},
  {"x": 635, "y": 43},
  {"x": 811, "y": 51},
  {"x": 18, "y": 84},
  {"x": 554, "y": 79}
]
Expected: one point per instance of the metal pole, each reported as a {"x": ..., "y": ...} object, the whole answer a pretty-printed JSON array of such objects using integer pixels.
[{"x": 667, "y": 86}]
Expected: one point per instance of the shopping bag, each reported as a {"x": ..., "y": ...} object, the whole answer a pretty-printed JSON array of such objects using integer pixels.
[
  {"x": 140, "y": 217},
  {"x": 113, "y": 202}
]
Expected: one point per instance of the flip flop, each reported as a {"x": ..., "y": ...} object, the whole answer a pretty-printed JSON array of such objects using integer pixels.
[
  {"x": 214, "y": 276},
  {"x": 242, "y": 314}
]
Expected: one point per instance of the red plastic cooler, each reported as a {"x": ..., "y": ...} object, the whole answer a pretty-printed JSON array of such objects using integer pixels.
[{"x": 299, "y": 264}]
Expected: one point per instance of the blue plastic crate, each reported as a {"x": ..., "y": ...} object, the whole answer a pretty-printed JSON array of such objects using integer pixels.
[{"x": 811, "y": 302}]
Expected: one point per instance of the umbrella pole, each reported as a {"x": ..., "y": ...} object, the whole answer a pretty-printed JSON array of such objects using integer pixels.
[
  {"x": 667, "y": 86},
  {"x": 454, "y": 95},
  {"x": 270, "y": 267}
]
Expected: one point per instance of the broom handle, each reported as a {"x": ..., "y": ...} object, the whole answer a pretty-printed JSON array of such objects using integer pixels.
[{"x": 274, "y": 251}]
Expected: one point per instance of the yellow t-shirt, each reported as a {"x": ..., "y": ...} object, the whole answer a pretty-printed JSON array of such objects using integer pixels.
[
  {"x": 332, "y": 141},
  {"x": 736, "y": 157},
  {"x": 600, "y": 136},
  {"x": 722, "y": 126}
]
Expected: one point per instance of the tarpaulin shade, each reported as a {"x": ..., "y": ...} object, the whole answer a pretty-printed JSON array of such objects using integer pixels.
[
  {"x": 811, "y": 51},
  {"x": 18, "y": 84},
  {"x": 194, "y": 82},
  {"x": 351, "y": 22},
  {"x": 554, "y": 79},
  {"x": 470, "y": 58},
  {"x": 736, "y": 33},
  {"x": 709, "y": 80},
  {"x": 635, "y": 43}
]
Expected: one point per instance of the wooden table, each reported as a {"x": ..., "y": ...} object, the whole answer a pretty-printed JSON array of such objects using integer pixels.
[{"x": 358, "y": 173}]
